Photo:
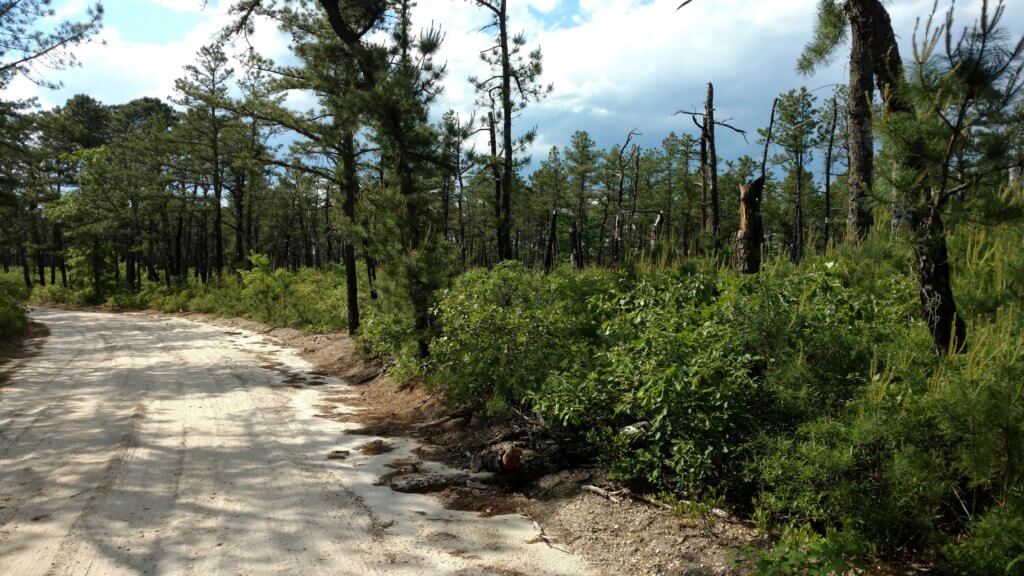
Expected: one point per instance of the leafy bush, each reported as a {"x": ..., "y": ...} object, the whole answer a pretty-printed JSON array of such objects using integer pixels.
[
  {"x": 928, "y": 454},
  {"x": 13, "y": 285},
  {"x": 503, "y": 331},
  {"x": 12, "y": 315},
  {"x": 55, "y": 294},
  {"x": 667, "y": 398}
]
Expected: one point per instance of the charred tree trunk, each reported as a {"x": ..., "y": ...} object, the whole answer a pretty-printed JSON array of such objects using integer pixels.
[
  {"x": 935, "y": 287},
  {"x": 26, "y": 270},
  {"x": 549, "y": 253},
  {"x": 797, "y": 253},
  {"x": 655, "y": 233},
  {"x": 827, "y": 228},
  {"x": 239, "y": 206},
  {"x": 575, "y": 246},
  {"x": 712, "y": 162},
  {"x": 704, "y": 176},
  {"x": 748, "y": 240},
  {"x": 861, "y": 89}
]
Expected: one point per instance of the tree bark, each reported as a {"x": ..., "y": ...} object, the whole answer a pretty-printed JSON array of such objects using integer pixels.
[
  {"x": 859, "y": 219},
  {"x": 351, "y": 185},
  {"x": 505, "y": 219},
  {"x": 827, "y": 230},
  {"x": 549, "y": 253},
  {"x": 575, "y": 248},
  {"x": 748, "y": 239},
  {"x": 712, "y": 165},
  {"x": 935, "y": 288},
  {"x": 502, "y": 236}
]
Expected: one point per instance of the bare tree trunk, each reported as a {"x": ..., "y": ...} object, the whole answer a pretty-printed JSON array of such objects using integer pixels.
[
  {"x": 505, "y": 219},
  {"x": 549, "y": 253},
  {"x": 501, "y": 231},
  {"x": 827, "y": 230},
  {"x": 575, "y": 248},
  {"x": 462, "y": 217},
  {"x": 712, "y": 165},
  {"x": 748, "y": 239},
  {"x": 704, "y": 176},
  {"x": 239, "y": 207},
  {"x": 797, "y": 253},
  {"x": 218, "y": 216},
  {"x": 25, "y": 268},
  {"x": 655, "y": 233}
]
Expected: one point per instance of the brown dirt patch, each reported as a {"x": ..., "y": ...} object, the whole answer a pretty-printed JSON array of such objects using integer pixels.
[
  {"x": 375, "y": 448},
  {"x": 630, "y": 537},
  {"x": 17, "y": 351}
]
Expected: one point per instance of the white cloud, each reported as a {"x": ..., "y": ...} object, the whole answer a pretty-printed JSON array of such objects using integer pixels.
[
  {"x": 615, "y": 64},
  {"x": 114, "y": 69},
  {"x": 180, "y": 5}
]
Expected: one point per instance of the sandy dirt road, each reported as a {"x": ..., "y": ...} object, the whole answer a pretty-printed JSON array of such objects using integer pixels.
[{"x": 140, "y": 445}]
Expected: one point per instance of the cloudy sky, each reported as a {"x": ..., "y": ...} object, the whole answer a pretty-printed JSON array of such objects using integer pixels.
[{"x": 615, "y": 64}]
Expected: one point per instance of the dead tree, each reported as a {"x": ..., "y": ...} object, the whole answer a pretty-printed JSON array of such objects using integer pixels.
[
  {"x": 828, "y": 174},
  {"x": 709, "y": 161},
  {"x": 751, "y": 232},
  {"x": 748, "y": 239},
  {"x": 712, "y": 164}
]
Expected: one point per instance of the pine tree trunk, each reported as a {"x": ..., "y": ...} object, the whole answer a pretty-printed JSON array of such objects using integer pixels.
[
  {"x": 575, "y": 248},
  {"x": 935, "y": 288},
  {"x": 505, "y": 218},
  {"x": 351, "y": 185},
  {"x": 549, "y": 253},
  {"x": 797, "y": 252},
  {"x": 861, "y": 153},
  {"x": 25, "y": 269},
  {"x": 827, "y": 229},
  {"x": 239, "y": 206}
]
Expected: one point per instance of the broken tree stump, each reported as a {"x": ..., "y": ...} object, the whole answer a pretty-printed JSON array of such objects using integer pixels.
[{"x": 749, "y": 237}]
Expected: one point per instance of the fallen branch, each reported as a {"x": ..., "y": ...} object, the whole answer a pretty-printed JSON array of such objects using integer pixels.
[
  {"x": 541, "y": 535},
  {"x": 613, "y": 496},
  {"x": 460, "y": 413}
]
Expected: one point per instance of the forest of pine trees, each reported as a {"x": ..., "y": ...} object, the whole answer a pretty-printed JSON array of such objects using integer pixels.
[{"x": 828, "y": 335}]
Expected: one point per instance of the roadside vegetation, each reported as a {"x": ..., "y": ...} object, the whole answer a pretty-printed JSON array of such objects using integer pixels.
[
  {"x": 713, "y": 335},
  {"x": 12, "y": 313},
  {"x": 806, "y": 397}
]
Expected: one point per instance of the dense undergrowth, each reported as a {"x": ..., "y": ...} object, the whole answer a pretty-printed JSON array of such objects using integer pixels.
[
  {"x": 807, "y": 396},
  {"x": 12, "y": 314}
]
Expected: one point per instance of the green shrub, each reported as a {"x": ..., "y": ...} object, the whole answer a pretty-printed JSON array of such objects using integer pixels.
[
  {"x": 504, "y": 330},
  {"x": 55, "y": 294},
  {"x": 13, "y": 285},
  {"x": 928, "y": 455},
  {"x": 995, "y": 544},
  {"x": 12, "y": 316}
]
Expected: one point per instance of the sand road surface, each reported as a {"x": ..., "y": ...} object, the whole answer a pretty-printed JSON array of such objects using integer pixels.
[{"x": 138, "y": 445}]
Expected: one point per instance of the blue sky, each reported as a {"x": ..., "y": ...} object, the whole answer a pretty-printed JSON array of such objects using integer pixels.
[{"x": 615, "y": 64}]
